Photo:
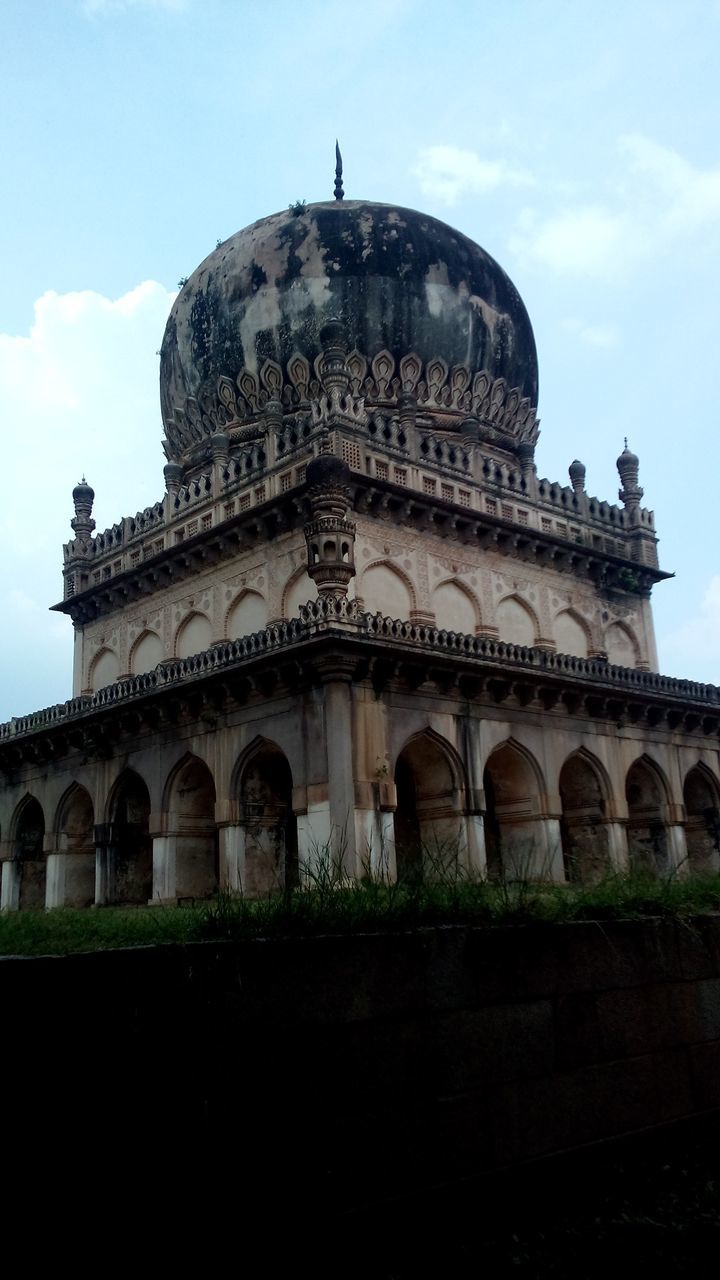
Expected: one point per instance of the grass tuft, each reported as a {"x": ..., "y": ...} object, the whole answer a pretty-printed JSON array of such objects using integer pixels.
[{"x": 327, "y": 902}]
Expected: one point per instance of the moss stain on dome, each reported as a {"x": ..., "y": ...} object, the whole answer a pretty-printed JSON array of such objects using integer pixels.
[{"x": 397, "y": 279}]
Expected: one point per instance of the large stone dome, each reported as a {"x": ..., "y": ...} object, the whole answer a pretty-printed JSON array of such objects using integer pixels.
[{"x": 398, "y": 280}]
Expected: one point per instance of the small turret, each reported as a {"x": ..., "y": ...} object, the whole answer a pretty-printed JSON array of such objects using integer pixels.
[
  {"x": 628, "y": 465},
  {"x": 576, "y": 471},
  {"x": 329, "y": 535},
  {"x": 83, "y": 524}
]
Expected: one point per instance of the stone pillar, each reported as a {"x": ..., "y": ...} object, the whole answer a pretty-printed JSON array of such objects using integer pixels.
[
  {"x": 164, "y": 878},
  {"x": 232, "y": 857},
  {"x": 375, "y": 805},
  {"x": 475, "y": 842},
  {"x": 103, "y": 864},
  {"x": 10, "y": 885},
  {"x": 677, "y": 854},
  {"x": 339, "y": 750},
  {"x": 618, "y": 847}
]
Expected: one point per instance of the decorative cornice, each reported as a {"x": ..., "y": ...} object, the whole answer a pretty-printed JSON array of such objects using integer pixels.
[
  {"x": 380, "y": 499},
  {"x": 383, "y": 650},
  {"x": 503, "y": 415}
]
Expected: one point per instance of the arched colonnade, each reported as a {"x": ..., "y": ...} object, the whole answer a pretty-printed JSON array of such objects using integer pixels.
[{"x": 428, "y": 819}]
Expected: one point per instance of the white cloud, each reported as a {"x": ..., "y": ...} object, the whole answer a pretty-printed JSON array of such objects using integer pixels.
[
  {"x": 689, "y": 197},
  {"x": 78, "y": 393},
  {"x": 698, "y": 638},
  {"x": 584, "y": 240},
  {"x": 593, "y": 335},
  {"x": 448, "y": 173},
  {"x": 657, "y": 197}
]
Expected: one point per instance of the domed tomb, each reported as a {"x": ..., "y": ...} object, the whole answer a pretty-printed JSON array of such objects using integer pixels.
[{"x": 423, "y": 308}]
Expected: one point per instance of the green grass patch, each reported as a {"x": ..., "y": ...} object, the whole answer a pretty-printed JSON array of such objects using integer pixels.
[{"x": 331, "y": 904}]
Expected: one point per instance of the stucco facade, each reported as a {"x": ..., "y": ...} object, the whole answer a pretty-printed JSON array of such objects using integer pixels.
[{"x": 357, "y": 620}]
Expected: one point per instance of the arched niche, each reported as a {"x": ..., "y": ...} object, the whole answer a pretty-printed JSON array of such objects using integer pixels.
[
  {"x": 570, "y": 635},
  {"x": 702, "y": 819},
  {"x": 621, "y": 646},
  {"x": 264, "y": 785},
  {"x": 299, "y": 590},
  {"x": 511, "y": 782},
  {"x": 515, "y": 622},
  {"x": 190, "y": 806},
  {"x": 429, "y": 815},
  {"x": 105, "y": 669},
  {"x": 75, "y": 831},
  {"x": 194, "y": 636},
  {"x": 249, "y": 613},
  {"x": 384, "y": 590},
  {"x": 147, "y": 652},
  {"x": 583, "y": 828},
  {"x": 646, "y": 795},
  {"x": 27, "y": 850},
  {"x": 454, "y": 608},
  {"x": 129, "y": 849}
]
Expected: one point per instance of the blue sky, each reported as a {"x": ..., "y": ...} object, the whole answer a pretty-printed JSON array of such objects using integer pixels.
[{"x": 577, "y": 142}]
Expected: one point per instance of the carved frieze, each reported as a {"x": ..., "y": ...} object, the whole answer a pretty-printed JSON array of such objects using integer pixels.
[{"x": 502, "y": 414}]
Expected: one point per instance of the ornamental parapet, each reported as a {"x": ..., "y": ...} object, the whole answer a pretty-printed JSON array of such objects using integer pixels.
[{"x": 383, "y": 647}]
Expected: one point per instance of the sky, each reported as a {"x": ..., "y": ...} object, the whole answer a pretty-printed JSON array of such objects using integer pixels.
[{"x": 578, "y": 143}]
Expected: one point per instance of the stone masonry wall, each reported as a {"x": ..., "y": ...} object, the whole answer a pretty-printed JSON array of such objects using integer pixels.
[{"x": 358, "y": 1068}]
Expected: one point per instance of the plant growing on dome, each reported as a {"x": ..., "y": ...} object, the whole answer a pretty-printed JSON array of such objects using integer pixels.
[{"x": 298, "y": 208}]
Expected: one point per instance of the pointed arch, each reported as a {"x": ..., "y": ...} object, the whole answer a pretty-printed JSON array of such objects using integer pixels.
[
  {"x": 104, "y": 669},
  {"x": 20, "y": 818},
  {"x": 584, "y": 789},
  {"x": 189, "y": 808},
  {"x": 514, "y": 786},
  {"x": 194, "y": 635},
  {"x": 516, "y": 621},
  {"x": 430, "y": 786},
  {"x": 571, "y": 633},
  {"x": 298, "y": 590},
  {"x": 701, "y": 796},
  {"x": 643, "y": 766},
  {"x": 263, "y": 784},
  {"x": 75, "y": 814},
  {"x": 516, "y": 750},
  {"x": 27, "y": 834},
  {"x": 456, "y": 607},
  {"x": 621, "y": 645},
  {"x": 597, "y": 768},
  {"x": 146, "y": 652},
  {"x": 246, "y": 614},
  {"x": 127, "y": 851},
  {"x": 386, "y": 588},
  {"x": 647, "y": 794},
  {"x": 75, "y": 843}
]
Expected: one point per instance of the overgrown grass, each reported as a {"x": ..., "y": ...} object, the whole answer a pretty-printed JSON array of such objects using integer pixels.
[{"x": 331, "y": 904}]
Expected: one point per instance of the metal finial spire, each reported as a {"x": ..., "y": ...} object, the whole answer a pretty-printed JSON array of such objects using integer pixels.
[
  {"x": 626, "y": 443},
  {"x": 339, "y": 193}
]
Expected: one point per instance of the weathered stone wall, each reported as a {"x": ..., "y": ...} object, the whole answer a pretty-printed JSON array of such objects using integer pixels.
[{"x": 352, "y": 1069}]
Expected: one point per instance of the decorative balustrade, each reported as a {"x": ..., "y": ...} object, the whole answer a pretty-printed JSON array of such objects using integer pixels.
[{"x": 323, "y": 615}]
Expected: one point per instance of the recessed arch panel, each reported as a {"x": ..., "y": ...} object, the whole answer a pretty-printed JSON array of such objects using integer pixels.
[
  {"x": 194, "y": 636},
  {"x": 104, "y": 670},
  {"x": 571, "y": 634},
  {"x": 516, "y": 622},
  {"x": 146, "y": 653},
  {"x": 621, "y": 645},
  {"x": 386, "y": 590},
  {"x": 455, "y": 608},
  {"x": 247, "y": 614}
]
